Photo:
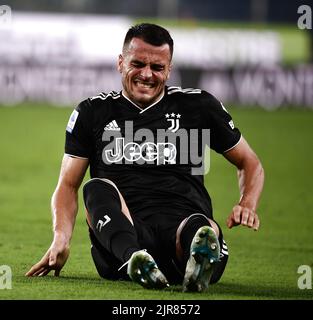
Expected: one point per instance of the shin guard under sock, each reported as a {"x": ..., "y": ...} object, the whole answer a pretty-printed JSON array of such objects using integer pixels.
[{"x": 110, "y": 226}]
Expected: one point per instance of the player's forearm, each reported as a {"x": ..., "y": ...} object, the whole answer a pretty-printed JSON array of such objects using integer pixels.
[
  {"x": 64, "y": 206},
  {"x": 251, "y": 180}
]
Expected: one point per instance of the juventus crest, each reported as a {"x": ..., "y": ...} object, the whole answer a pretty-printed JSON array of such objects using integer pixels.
[{"x": 173, "y": 119}]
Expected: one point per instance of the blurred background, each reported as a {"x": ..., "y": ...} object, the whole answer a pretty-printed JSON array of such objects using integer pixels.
[
  {"x": 253, "y": 55},
  {"x": 246, "y": 52}
]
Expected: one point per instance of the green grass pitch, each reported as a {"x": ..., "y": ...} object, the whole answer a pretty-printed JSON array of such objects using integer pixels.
[{"x": 262, "y": 265}]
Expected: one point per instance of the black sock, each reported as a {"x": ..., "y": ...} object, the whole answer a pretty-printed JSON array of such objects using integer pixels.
[{"x": 111, "y": 227}]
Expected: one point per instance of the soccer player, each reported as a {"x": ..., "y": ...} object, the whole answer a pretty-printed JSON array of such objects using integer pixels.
[{"x": 149, "y": 214}]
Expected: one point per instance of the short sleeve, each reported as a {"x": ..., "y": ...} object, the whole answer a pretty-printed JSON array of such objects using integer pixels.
[
  {"x": 223, "y": 133},
  {"x": 77, "y": 141}
]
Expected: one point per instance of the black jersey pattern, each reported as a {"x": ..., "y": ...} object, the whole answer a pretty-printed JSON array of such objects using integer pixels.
[{"x": 152, "y": 154}]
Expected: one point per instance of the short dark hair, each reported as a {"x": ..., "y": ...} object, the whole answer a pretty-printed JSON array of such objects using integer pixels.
[{"x": 150, "y": 33}]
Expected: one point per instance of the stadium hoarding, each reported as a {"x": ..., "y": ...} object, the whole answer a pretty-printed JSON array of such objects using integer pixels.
[
  {"x": 269, "y": 88},
  {"x": 62, "y": 58},
  {"x": 92, "y": 39}
]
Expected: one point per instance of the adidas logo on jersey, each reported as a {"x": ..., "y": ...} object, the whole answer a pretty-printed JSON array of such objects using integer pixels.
[{"x": 112, "y": 126}]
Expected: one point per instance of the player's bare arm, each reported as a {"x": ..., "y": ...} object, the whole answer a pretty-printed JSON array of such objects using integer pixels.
[
  {"x": 251, "y": 180},
  {"x": 64, "y": 206}
]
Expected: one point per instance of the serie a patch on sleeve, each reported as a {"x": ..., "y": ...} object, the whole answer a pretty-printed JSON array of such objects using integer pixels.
[{"x": 71, "y": 122}]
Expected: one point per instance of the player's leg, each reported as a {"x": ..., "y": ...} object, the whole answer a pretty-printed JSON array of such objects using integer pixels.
[
  {"x": 140, "y": 268},
  {"x": 106, "y": 264},
  {"x": 111, "y": 226},
  {"x": 114, "y": 237},
  {"x": 201, "y": 248}
]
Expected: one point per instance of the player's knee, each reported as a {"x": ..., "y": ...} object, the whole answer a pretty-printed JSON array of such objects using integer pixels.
[
  {"x": 185, "y": 232},
  {"x": 196, "y": 221},
  {"x": 104, "y": 183},
  {"x": 95, "y": 191}
]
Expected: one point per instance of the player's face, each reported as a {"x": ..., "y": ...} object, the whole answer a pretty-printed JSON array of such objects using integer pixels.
[{"x": 145, "y": 69}]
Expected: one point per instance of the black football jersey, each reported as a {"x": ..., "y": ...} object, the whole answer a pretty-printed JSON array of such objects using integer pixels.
[{"x": 153, "y": 155}]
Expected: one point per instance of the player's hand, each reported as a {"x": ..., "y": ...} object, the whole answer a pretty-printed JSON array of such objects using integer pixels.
[
  {"x": 243, "y": 216},
  {"x": 53, "y": 259}
]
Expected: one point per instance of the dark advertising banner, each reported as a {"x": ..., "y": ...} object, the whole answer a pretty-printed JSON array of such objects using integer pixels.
[
  {"x": 62, "y": 59},
  {"x": 68, "y": 84}
]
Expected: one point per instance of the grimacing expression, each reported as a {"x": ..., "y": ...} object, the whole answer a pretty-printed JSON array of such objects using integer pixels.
[{"x": 145, "y": 69}]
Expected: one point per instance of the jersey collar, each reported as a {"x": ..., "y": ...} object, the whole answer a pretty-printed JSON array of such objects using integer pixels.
[{"x": 145, "y": 109}]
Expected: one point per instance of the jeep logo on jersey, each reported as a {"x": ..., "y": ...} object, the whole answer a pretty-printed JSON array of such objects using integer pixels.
[
  {"x": 147, "y": 152},
  {"x": 163, "y": 147}
]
